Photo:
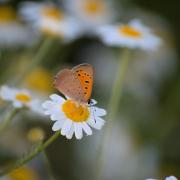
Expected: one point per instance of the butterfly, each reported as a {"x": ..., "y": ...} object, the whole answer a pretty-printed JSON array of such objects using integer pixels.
[{"x": 76, "y": 83}]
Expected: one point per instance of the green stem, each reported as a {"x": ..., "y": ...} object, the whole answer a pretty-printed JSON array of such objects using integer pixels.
[
  {"x": 40, "y": 56},
  {"x": 112, "y": 110},
  {"x": 48, "y": 166},
  {"x": 29, "y": 156},
  {"x": 8, "y": 119},
  {"x": 118, "y": 85}
]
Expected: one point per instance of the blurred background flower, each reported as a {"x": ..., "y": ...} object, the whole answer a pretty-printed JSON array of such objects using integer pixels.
[
  {"x": 13, "y": 33},
  {"x": 131, "y": 35},
  {"x": 90, "y": 14},
  {"x": 49, "y": 19}
]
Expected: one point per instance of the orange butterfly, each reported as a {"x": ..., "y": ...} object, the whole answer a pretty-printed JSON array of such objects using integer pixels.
[{"x": 76, "y": 83}]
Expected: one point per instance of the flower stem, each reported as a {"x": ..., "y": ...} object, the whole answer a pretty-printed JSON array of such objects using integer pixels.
[
  {"x": 29, "y": 156},
  {"x": 8, "y": 119},
  {"x": 112, "y": 110},
  {"x": 39, "y": 57},
  {"x": 118, "y": 85}
]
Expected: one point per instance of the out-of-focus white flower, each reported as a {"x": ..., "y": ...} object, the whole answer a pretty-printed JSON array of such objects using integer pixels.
[
  {"x": 20, "y": 98},
  {"x": 72, "y": 117},
  {"x": 171, "y": 178},
  {"x": 167, "y": 178},
  {"x": 12, "y": 32},
  {"x": 50, "y": 20},
  {"x": 131, "y": 35},
  {"x": 91, "y": 13}
]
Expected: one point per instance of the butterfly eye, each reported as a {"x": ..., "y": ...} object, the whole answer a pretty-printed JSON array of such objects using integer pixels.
[
  {"x": 89, "y": 102},
  {"x": 92, "y": 102}
]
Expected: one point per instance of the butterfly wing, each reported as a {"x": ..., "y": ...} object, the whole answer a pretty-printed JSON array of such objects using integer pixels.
[
  {"x": 84, "y": 73},
  {"x": 69, "y": 85}
]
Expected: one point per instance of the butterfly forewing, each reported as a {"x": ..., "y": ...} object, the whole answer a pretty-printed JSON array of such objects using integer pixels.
[
  {"x": 76, "y": 83},
  {"x": 69, "y": 85},
  {"x": 84, "y": 72}
]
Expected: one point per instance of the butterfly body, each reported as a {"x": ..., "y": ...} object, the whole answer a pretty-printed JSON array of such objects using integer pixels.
[{"x": 76, "y": 83}]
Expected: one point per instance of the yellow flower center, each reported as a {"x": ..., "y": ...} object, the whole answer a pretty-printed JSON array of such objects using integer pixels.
[
  {"x": 130, "y": 31},
  {"x": 35, "y": 134},
  {"x": 75, "y": 112},
  {"x": 52, "y": 13},
  {"x": 23, "y": 97},
  {"x": 7, "y": 14},
  {"x": 93, "y": 7}
]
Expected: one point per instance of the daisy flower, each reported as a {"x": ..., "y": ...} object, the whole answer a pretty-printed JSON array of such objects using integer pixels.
[
  {"x": 73, "y": 118},
  {"x": 20, "y": 98},
  {"x": 49, "y": 19},
  {"x": 12, "y": 32},
  {"x": 91, "y": 13},
  {"x": 167, "y": 178},
  {"x": 132, "y": 35}
]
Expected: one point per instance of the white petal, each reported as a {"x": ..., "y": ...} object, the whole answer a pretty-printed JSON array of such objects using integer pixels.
[
  {"x": 53, "y": 109},
  {"x": 7, "y": 93},
  {"x": 57, "y": 116},
  {"x": 96, "y": 123},
  {"x": 69, "y": 135},
  {"x": 17, "y": 104},
  {"x": 58, "y": 125},
  {"x": 171, "y": 178},
  {"x": 100, "y": 120},
  {"x": 66, "y": 127},
  {"x": 50, "y": 105},
  {"x": 47, "y": 104},
  {"x": 57, "y": 98},
  {"x": 86, "y": 128},
  {"x": 78, "y": 130},
  {"x": 53, "y": 117},
  {"x": 98, "y": 111}
]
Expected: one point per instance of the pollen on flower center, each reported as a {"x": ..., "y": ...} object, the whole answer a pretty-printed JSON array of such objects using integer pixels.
[
  {"x": 53, "y": 13},
  {"x": 75, "y": 112},
  {"x": 93, "y": 7},
  {"x": 130, "y": 31},
  {"x": 23, "y": 97},
  {"x": 7, "y": 14}
]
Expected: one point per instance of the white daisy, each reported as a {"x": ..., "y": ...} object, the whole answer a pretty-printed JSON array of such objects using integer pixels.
[
  {"x": 131, "y": 35},
  {"x": 73, "y": 118},
  {"x": 167, "y": 178},
  {"x": 171, "y": 178},
  {"x": 49, "y": 19},
  {"x": 91, "y": 13},
  {"x": 12, "y": 32},
  {"x": 20, "y": 98}
]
